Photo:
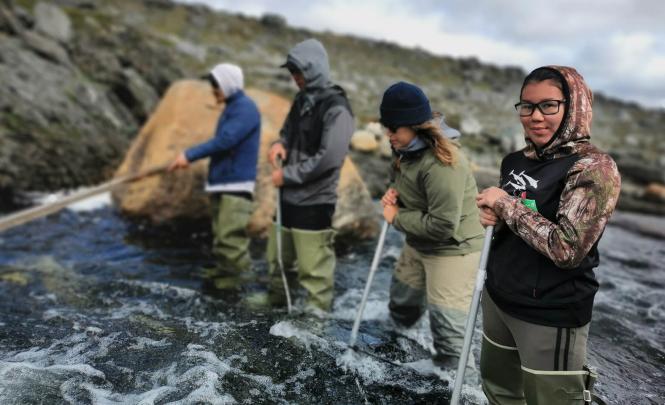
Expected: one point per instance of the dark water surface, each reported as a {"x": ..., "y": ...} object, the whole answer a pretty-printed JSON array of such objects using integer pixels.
[{"x": 94, "y": 310}]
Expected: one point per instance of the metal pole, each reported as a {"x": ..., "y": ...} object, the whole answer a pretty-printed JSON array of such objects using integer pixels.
[
  {"x": 278, "y": 239},
  {"x": 39, "y": 211},
  {"x": 372, "y": 270},
  {"x": 471, "y": 318}
]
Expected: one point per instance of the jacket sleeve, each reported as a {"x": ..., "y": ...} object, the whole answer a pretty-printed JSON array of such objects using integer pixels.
[
  {"x": 586, "y": 204},
  {"x": 232, "y": 128},
  {"x": 338, "y": 127},
  {"x": 444, "y": 187}
]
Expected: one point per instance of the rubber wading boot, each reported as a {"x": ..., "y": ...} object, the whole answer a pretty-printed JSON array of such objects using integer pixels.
[
  {"x": 316, "y": 265},
  {"x": 276, "y": 293},
  {"x": 501, "y": 374},
  {"x": 558, "y": 387},
  {"x": 229, "y": 225}
]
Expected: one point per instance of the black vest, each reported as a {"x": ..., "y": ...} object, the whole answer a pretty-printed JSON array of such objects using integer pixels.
[
  {"x": 305, "y": 130},
  {"x": 523, "y": 282}
]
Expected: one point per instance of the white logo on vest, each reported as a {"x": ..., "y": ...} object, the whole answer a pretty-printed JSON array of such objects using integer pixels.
[{"x": 520, "y": 181}]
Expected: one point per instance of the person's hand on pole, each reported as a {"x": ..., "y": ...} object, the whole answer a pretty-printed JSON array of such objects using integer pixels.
[
  {"x": 489, "y": 196},
  {"x": 275, "y": 151},
  {"x": 488, "y": 217},
  {"x": 389, "y": 212},
  {"x": 180, "y": 162},
  {"x": 277, "y": 178},
  {"x": 390, "y": 197}
]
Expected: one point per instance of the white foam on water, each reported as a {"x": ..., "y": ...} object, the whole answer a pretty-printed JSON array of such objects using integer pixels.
[
  {"x": 222, "y": 367},
  {"x": 473, "y": 393},
  {"x": 392, "y": 252},
  {"x": 209, "y": 330},
  {"x": 100, "y": 396},
  {"x": 288, "y": 330},
  {"x": 302, "y": 375},
  {"x": 203, "y": 378},
  {"x": 138, "y": 307},
  {"x": 10, "y": 370},
  {"x": 346, "y": 306},
  {"x": 163, "y": 289},
  {"x": 427, "y": 367},
  {"x": 89, "y": 204},
  {"x": 93, "y": 330},
  {"x": 144, "y": 342},
  {"x": 419, "y": 332},
  {"x": 370, "y": 370},
  {"x": 207, "y": 393}
]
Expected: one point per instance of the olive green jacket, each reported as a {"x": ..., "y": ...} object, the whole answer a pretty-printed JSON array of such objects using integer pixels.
[{"x": 437, "y": 206}]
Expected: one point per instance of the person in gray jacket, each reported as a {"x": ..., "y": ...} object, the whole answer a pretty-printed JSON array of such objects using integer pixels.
[{"x": 313, "y": 144}]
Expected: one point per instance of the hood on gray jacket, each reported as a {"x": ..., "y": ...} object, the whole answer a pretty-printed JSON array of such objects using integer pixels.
[{"x": 311, "y": 58}]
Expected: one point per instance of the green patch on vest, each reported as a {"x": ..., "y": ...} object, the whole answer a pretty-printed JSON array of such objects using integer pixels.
[{"x": 530, "y": 204}]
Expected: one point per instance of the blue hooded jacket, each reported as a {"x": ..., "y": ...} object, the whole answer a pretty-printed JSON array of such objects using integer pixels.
[{"x": 234, "y": 149}]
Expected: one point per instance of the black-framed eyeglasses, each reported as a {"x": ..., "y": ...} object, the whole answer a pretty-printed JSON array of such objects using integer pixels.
[{"x": 546, "y": 107}]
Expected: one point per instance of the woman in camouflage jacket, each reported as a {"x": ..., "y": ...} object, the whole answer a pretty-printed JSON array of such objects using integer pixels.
[
  {"x": 430, "y": 200},
  {"x": 556, "y": 197}
]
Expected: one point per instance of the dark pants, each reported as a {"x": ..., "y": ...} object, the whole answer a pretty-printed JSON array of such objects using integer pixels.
[{"x": 308, "y": 217}]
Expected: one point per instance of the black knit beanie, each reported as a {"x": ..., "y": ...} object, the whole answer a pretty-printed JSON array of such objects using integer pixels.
[{"x": 404, "y": 104}]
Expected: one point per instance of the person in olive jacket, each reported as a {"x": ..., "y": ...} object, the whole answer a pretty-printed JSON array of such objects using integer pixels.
[{"x": 432, "y": 201}]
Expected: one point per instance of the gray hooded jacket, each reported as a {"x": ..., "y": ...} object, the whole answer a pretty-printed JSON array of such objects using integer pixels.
[{"x": 317, "y": 130}]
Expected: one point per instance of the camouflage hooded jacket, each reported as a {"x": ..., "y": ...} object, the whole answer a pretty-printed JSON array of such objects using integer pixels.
[{"x": 560, "y": 199}]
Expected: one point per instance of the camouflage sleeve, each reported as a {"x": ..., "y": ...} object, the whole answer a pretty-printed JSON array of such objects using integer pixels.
[{"x": 586, "y": 204}]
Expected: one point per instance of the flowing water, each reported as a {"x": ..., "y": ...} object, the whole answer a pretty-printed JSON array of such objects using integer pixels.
[{"x": 96, "y": 310}]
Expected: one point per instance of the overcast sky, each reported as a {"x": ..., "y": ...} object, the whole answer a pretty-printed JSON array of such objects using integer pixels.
[{"x": 617, "y": 45}]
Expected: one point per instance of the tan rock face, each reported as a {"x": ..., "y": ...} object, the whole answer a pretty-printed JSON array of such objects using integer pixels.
[
  {"x": 655, "y": 192},
  {"x": 187, "y": 115},
  {"x": 364, "y": 141}
]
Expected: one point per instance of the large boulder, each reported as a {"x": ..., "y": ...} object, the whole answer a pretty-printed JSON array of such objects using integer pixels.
[
  {"x": 655, "y": 192},
  {"x": 187, "y": 115},
  {"x": 364, "y": 141}
]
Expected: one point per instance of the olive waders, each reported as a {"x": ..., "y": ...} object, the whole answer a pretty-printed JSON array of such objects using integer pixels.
[{"x": 230, "y": 215}]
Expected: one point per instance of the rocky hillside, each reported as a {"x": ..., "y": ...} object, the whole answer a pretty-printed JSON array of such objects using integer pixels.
[{"x": 81, "y": 76}]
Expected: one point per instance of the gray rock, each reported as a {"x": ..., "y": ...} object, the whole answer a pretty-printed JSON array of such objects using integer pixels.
[
  {"x": 273, "y": 20},
  {"x": 650, "y": 226},
  {"x": 471, "y": 126},
  {"x": 144, "y": 96},
  {"x": 46, "y": 47},
  {"x": 639, "y": 170},
  {"x": 53, "y": 22},
  {"x": 512, "y": 139},
  {"x": 189, "y": 48}
]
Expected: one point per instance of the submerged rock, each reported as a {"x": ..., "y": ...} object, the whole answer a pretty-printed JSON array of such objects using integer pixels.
[{"x": 187, "y": 115}]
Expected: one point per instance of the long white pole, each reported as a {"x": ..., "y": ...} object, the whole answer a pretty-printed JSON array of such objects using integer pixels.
[
  {"x": 368, "y": 284},
  {"x": 471, "y": 318},
  {"x": 39, "y": 211},
  {"x": 278, "y": 239}
]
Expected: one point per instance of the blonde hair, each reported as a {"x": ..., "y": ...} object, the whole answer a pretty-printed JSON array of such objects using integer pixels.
[{"x": 432, "y": 134}]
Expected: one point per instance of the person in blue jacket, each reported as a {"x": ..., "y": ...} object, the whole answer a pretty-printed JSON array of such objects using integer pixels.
[{"x": 233, "y": 153}]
